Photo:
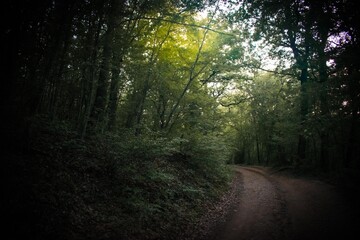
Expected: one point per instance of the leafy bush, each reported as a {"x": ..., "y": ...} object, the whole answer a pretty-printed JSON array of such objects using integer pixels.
[{"x": 115, "y": 185}]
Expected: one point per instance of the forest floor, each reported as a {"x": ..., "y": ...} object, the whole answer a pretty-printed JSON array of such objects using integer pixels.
[{"x": 268, "y": 205}]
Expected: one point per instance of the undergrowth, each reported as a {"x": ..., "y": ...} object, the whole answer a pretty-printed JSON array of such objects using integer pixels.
[{"x": 110, "y": 186}]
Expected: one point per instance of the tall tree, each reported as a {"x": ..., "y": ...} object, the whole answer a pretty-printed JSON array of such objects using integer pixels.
[{"x": 306, "y": 29}]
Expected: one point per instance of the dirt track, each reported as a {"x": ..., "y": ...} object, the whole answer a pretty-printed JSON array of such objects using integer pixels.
[{"x": 279, "y": 207}]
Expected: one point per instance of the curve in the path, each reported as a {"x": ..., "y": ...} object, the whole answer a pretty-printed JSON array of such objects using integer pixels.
[
  {"x": 279, "y": 207},
  {"x": 261, "y": 213}
]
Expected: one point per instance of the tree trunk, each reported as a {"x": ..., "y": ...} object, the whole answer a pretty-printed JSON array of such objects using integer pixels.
[
  {"x": 135, "y": 116},
  {"x": 102, "y": 92},
  {"x": 303, "y": 112},
  {"x": 114, "y": 92},
  {"x": 89, "y": 81},
  {"x": 192, "y": 76},
  {"x": 257, "y": 149},
  {"x": 353, "y": 144}
]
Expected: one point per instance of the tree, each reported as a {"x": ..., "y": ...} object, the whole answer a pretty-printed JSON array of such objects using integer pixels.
[
  {"x": 306, "y": 29},
  {"x": 266, "y": 122},
  {"x": 174, "y": 63}
]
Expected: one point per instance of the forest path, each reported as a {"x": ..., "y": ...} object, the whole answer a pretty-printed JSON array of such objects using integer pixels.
[{"x": 281, "y": 207}]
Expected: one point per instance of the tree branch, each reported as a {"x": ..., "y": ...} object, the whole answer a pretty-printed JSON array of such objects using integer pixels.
[
  {"x": 236, "y": 103},
  {"x": 181, "y": 23}
]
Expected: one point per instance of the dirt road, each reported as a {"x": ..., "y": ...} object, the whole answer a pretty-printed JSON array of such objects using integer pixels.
[{"x": 278, "y": 207}]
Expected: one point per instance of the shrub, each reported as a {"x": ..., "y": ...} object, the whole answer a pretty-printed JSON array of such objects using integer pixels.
[{"x": 114, "y": 185}]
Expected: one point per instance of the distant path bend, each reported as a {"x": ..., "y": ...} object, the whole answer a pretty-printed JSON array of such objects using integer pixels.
[{"x": 279, "y": 207}]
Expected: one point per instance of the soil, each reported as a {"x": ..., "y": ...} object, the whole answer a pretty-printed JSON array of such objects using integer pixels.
[{"x": 264, "y": 205}]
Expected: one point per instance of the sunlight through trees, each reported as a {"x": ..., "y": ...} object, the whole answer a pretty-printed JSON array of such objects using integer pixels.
[{"x": 180, "y": 89}]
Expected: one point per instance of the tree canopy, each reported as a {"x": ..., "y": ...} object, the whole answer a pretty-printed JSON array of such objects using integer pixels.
[{"x": 179, "y": 89}]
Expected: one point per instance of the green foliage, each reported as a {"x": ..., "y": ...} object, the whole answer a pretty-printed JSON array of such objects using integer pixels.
[
  {"x": 120, "y": 114},
  {"x": 116, "y": 185},
  {"x": 301, "y": 35},
  {"x": 267, "y": 125}
]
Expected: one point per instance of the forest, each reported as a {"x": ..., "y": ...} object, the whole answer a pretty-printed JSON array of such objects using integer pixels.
[{"x": 121, "y": 119}]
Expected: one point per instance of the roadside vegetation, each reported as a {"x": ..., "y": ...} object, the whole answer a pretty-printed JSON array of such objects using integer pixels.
[
  {"x": 112, "y": 186},
  {"x": 119, "y": 117}
]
